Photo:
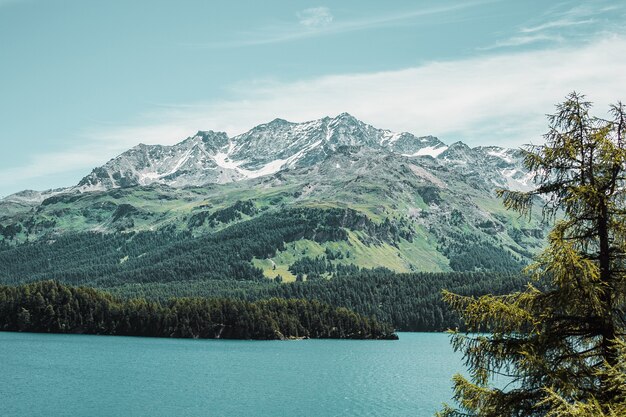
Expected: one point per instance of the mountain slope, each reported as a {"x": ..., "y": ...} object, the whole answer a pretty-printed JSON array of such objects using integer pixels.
[{"x": 422, "y": 205}]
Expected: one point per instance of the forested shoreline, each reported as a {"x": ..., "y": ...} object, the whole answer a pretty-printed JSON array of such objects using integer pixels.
[
  {"x": 52, "y": 307},
  {"x": 166, "y": 263},
  {"x": 410, "y": 302}
]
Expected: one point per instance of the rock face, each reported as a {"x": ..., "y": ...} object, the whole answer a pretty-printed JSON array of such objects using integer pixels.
[
  {"x": 190, "y": 162},
  {"x": 213, "y": 157}
]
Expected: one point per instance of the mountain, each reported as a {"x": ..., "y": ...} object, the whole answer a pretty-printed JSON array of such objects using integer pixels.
[
  {"x": 213, "y": 157},
  {"x": 282, "y": 199}
]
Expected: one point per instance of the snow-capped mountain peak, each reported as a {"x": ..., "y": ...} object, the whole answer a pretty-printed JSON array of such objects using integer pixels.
[{"x": 214, "y": 157}]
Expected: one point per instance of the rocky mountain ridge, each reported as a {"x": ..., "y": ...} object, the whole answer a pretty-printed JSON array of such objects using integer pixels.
[{"x": 213, "y": 157}]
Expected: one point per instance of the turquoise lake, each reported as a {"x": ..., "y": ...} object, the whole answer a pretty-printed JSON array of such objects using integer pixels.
[{"x": 79, "y": 375}]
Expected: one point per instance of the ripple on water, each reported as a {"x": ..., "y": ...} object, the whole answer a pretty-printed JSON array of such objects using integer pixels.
[{"x": 69, "y": 375}]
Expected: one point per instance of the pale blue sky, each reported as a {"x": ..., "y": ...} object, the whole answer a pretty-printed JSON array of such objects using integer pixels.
[{"x": 83, "y": 80}]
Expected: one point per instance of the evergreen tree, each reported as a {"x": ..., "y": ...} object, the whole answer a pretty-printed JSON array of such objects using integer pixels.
[
  {"x": 52, "y": 307},
  {"x": 559, "y": 345}
]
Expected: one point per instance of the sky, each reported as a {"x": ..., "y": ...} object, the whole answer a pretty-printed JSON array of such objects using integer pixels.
[{"x": 83, "y": 80}]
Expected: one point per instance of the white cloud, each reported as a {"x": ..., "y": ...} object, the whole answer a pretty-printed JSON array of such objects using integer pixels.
[
  {"x": 486, "y": 100},
  {"x": 45, "y": 170},
  {"x": 498, "y": 99},
  {"x": 315, "y": 17},
  {"x": 524, "y": 40}
]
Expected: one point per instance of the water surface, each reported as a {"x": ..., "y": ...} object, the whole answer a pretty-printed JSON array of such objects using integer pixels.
[{"x": 79, "y": 375}]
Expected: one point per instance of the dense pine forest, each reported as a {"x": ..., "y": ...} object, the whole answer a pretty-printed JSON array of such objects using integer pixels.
[
  {"x": 53, "y": 307},
  {"x": 99, "y": 259},
  {"x": 411, "y": 302}
]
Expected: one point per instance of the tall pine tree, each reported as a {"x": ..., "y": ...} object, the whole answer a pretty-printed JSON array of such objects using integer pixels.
[{"x": 558, "y": 347}]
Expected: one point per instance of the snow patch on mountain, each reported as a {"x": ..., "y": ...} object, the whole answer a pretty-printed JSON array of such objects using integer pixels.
[
  {"x": 433, "y": 151},
  {"x": 502, "y": 154}
]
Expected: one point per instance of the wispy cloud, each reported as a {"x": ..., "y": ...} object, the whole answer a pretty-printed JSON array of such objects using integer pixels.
[
  {"x": 315, "y": 17},
  {"x": 588, "y": 9},
  {"x": 41, "y": 166},
  {"x": 564, "y": 22},
  {"x": 523, "y": 40},
  {"x": 556, "y": 24},
  {"x": 320, "y": 21}
]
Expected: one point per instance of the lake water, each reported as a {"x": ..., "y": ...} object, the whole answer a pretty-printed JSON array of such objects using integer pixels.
[{"x": 79, "y": 375}]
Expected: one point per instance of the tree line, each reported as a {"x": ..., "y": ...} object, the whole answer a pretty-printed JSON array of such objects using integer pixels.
[
  {"x": 53, "y": 307},
  {"x": 410, "y": 301}
]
